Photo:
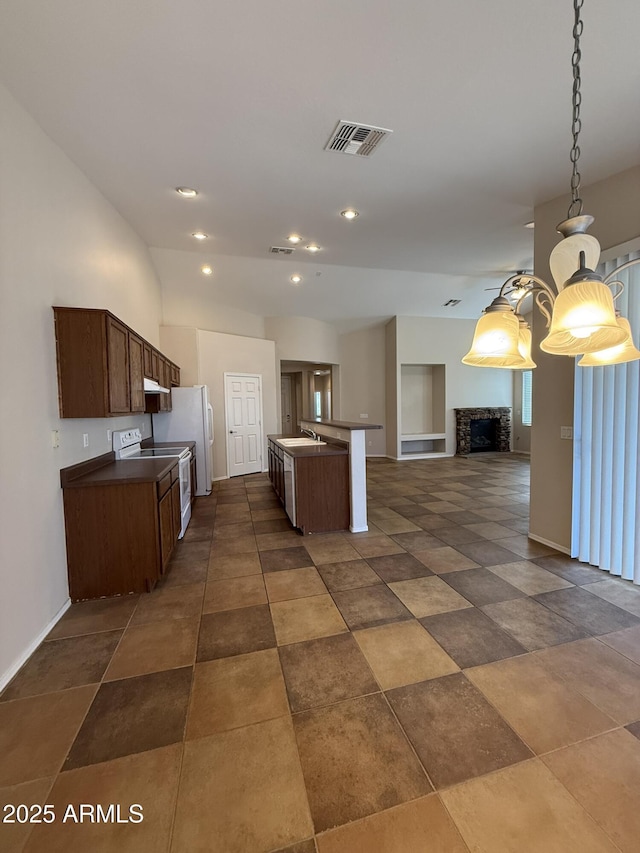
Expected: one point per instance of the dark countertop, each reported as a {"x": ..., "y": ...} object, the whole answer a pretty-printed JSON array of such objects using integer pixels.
[
  {"x": 310, "y": 450},
  {"x": 342, "y": 424},
  {"x": 106, "y": 470}
]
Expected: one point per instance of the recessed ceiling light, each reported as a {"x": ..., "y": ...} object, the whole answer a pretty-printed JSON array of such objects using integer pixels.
[
  {"x": 312, "y": 247},
  {"x": 186, "y": 192},
  {"x": 199, "y": 235},
  {"x": 349, "y": 213},
  {"x": 296, "y": 279},
  {"x": 294, "y": 238},
  {"x": 530, "y": 224},
  {"x": 206, "y": 270}
]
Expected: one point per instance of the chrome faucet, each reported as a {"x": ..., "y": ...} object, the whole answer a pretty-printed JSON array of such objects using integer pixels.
[{"x": 314, "y": 435}]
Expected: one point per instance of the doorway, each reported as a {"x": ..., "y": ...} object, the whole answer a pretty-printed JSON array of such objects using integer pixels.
[
  {"x": 288, "y": 402},
  {"x": 243, "y": 415},
  {"x": 307, "y": 392}
]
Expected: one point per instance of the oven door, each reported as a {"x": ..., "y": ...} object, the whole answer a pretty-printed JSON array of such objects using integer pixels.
[{"x": 185, "y": 493}]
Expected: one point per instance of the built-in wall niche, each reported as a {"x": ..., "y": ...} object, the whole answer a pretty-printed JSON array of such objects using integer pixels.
[{"x": 422, "y": 410}]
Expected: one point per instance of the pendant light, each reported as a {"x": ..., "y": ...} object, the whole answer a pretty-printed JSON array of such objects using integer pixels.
[{"x": 580, "y": 310}]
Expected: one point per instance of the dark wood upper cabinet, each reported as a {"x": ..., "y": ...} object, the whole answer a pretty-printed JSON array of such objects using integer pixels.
[
  {"x": 148, "y": 370},
  {"x": 102, "y": 364},
  {"x": 136, "y": 372}
]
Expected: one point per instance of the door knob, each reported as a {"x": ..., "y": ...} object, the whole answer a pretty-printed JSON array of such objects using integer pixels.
[{"x": 231, "y": 431}]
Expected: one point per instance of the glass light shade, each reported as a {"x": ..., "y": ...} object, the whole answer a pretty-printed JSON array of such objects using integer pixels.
[
  {"x": 583, "y": 320},
  {"x": 624, "y": 352},
  {"x": 564, "y": 258},
  {"x": 495, "y": 342},
  {"x": 524, "y": 348}
]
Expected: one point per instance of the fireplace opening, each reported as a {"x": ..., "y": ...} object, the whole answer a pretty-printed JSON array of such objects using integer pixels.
[{"x": 483, "y": 436}]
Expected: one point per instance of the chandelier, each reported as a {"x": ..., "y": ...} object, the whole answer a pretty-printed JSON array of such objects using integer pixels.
[{"x": 580, "y": 310}]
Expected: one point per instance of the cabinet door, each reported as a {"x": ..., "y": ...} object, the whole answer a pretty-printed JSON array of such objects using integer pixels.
[
  {"x": 148, "y": 370},
  {"x": 136, "y": 373},
  {"x": 176, "y": 510},
  {"x": 165, "y": 513},
  {"x": 175, "y": 375},
  {"x": 118, "y": 367},
  {"x": 155, "y": 364}
]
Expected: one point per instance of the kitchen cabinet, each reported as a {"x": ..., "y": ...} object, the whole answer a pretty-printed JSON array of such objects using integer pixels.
[
  {"x": 102, "y": 364},
  {"x": 319, "y": 477},
  {"x": 120, "y": 533}
]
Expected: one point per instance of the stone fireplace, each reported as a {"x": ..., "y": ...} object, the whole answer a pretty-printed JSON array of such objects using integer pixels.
[{"x": 499, "y": 432}]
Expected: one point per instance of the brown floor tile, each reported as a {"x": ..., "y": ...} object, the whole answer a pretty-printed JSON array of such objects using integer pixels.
[
  {"x": 376, "y": 546},
  {"x": 133, "y": 715},
  {"x": 455, "y": 534},
  {"x": 634, "y": 729},
  {"x": 626, "y": 642},
  {"x": 231, "y": 593},
  {"x": 396, "y": 524},
  {"x": 232, "y": 497},
  {"x": 270, "y": 541},
  {"x": 185, "y": 552},
  {"x": 234, "y": 530},
  {"x": 603, "y": 774},
  {"x": 153, "y": 647},
  {"x": 272, "y": 525},
  {"x": 279, "y": 559},
  {"x": 570, "y": 570},
  {"x": 239, "y": 545},
  {"x": 369, "y": 606},
  {"x": 471, "y": 638},
  {"x": 420, "y": 541},
  {"x": 36, "y": 733},
  {"x": 14, "y": 835},
  {"x": 545, "y": 711},
  {"x": 180, "y": 602},
  {"x": 426, "y": 596},
  {"x": 441, "y": 506},
  {"x": 235, "y": 632},
  {"x": 443, "y": 560},
  {"x": 398, "y": 567},
  {"x": 517, "y": 524},
  {"x": 307, "y": 846},
  {"x": 488, "y": 553},
  {"x": 267, "y": 514},
  {"x": 606, "y": 678},
  {"x": 257, "y": 792},
  {"x": 306, "y": 619},
  {"x": 588, "y": 611},
  {"x": 236, "y": 691},
  {"x": 536, "y": 814},
  {"x": 464, "y": 516},
  {"x": 480, "y": 586},
  {"x": 348, "y": 575},
  {"x": 337, "y": 551},
  {"x": 234, "y": 566},
  {"x": 527, "y": 548},
  {"x": 356, "y": 761},
  {"x": 324, "y": 671},
  {"x": 621, "y": 593},
  {"x": 422, "y": 826},
  {"x": 532, "y": 625},
  {"x": 198, "y": 533},
  {"x": 184, "y": 573},
  {"x": 294, "y": 583},
  {"x": 89, "y": 617},
  {"x": 452, "y": 746},
  {"x": 489, "y": 529},
  {"x": 149, "y": 779},
  {"x": 58, "y": 664},
  {"x": 529, "y": 578},
  {"x": 431, "y": 521},
  {"x": 403, "y": 653}
]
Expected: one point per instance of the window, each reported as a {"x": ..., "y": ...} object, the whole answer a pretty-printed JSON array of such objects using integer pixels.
[
  {"x": 317, "y": 404},
  {"x": 527, "y": 376}
]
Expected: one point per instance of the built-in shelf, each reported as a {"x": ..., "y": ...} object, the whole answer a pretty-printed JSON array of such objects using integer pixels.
[
  {"x": 422, "y": 411},
  {"x": 422, "y": 444}
]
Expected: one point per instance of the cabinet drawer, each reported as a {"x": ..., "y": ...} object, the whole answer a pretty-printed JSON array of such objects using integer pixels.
[{"x": 165, "y": 484}]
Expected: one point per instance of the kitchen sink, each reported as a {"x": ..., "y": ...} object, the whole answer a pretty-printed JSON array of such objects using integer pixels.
[{"x": 298, "y": 442}]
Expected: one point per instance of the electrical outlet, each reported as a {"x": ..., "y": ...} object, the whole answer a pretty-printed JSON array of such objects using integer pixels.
[
  {"x": 566, "y": 432},
  {"x": 55, "y": 438},
  {"x": 108, "y": 436},
  {"x": 364, "y": 415},
  {"x": 85, "y": 439}
]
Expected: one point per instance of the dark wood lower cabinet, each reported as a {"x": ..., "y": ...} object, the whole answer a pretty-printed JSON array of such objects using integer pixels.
[{"x": 120, "y": 537}]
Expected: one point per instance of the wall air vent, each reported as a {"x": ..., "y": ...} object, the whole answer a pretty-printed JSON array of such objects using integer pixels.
[
  {"x": 352, "y": 137},
  {"x": 450, "y": 303},
  {"x": 281, "y": 250}
]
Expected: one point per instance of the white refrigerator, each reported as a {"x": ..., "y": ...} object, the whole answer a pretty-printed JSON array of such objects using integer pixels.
[{"x": 191, "y": 419}]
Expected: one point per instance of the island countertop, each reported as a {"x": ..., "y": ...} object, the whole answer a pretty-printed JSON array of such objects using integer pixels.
[
  {"x": 351, "y": 425},
  {"x": 316, "y": 449}
]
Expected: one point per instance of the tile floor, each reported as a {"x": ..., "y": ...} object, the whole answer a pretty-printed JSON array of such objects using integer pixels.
[{"x": 438, "y": 684}]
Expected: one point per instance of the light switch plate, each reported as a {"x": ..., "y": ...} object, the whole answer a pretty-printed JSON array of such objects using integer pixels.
[{"x": 566, "y": 432}]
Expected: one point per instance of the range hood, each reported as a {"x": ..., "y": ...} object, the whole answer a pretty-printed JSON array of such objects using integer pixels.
[{"x": 153, "y": 387}]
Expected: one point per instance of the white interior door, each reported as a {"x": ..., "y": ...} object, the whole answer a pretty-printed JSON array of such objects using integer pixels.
[{"x": 243, "y": 399}]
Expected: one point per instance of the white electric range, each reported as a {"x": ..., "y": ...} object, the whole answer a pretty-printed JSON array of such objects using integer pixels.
[{"x": 127, "y": 446}]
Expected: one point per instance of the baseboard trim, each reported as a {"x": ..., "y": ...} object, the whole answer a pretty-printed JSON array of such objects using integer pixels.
[
  {"x": 551, "y": 544},
  {"x": 6, "y": 677}
]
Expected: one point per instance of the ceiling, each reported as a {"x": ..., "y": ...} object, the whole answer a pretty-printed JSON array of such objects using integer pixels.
[{"x": 237, "y": 98}]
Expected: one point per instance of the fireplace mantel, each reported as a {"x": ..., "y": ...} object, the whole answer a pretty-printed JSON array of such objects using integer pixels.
[{"x": 463, "y": 427}]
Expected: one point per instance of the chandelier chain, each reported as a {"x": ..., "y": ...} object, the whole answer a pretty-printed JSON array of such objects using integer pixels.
[{"x": 575, "y": 208}]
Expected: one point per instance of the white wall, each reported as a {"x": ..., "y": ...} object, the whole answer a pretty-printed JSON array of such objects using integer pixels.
[
  {"x": 61, "y": 243},
  {"x": 362, "y": 382},
  {"x": 428, "y": 340},
  {"x": 303, "y": 339}
]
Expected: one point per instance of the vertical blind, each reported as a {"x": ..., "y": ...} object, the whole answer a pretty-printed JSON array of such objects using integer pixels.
[
  {"x": 606, "y": 480},
  {"x": 526, "y": 397}
]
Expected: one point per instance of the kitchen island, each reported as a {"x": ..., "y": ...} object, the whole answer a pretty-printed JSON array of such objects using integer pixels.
[{"x": 353, "y": 435}]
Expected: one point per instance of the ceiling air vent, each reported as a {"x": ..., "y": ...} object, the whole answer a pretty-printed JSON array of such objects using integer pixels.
[
  {"x": 351, "y": 137},
  {"x": 281, "y": 250},
  {"x": 450, "y": 303}
]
